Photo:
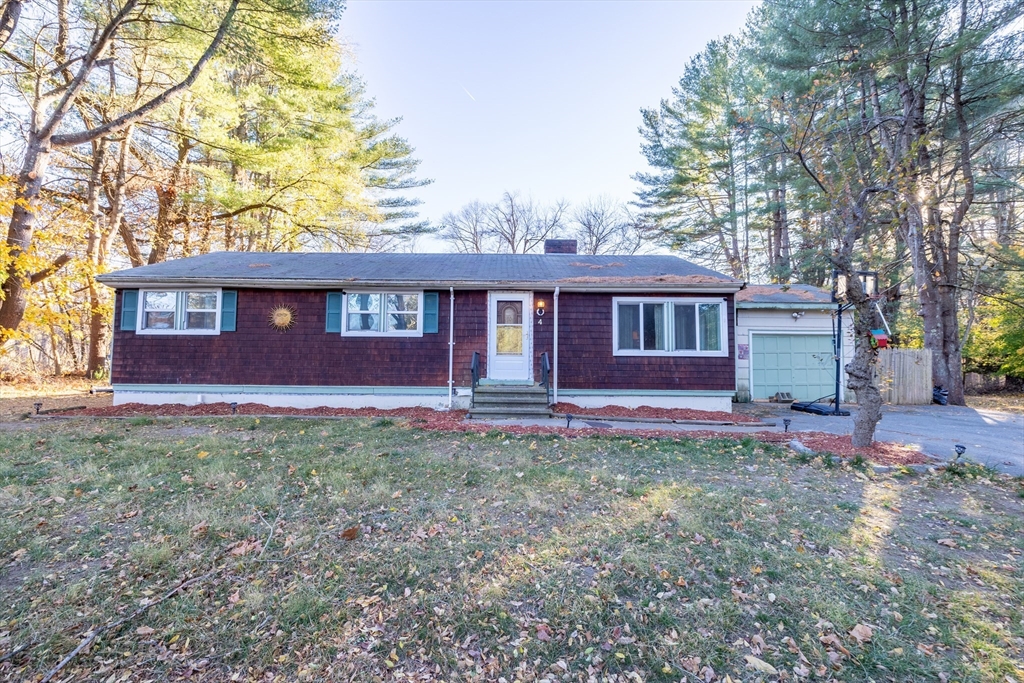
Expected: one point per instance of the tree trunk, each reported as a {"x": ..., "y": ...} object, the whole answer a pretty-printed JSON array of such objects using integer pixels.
[
  {"x": 9, "y": 20},
  {"x": 94, "y": 359},
  {"x": 861, "y": 372},
  {"x": 19, "y": 234}
]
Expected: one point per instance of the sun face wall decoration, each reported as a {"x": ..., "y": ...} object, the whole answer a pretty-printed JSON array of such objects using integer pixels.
[{"x": 282, "y": 318}]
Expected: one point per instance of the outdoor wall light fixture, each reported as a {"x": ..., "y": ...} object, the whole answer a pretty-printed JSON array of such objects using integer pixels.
[{"x": 540, "y": 310}]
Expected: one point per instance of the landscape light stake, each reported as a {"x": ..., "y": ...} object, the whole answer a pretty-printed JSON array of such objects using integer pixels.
[
  {"x": 38, "y": 407},
  {"x": 568, "y": 420},
  {"x": 234, "y": 407},
  {"x": 960, "y": 450},
  {"x": 785, "y": 423}
]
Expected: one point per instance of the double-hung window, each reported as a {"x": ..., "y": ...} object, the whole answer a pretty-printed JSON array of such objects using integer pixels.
[
  {"x": 179, "y": 312},
  {"x": 679, "y": 327},
  {"x": 384, "y": 313}
]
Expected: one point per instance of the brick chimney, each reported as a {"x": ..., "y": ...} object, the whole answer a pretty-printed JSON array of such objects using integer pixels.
[{"x": 559, "y": 246}]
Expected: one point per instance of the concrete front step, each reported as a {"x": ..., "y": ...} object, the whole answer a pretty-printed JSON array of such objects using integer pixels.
[
  {"x": 492, "y": 412},
  {"x": 510, "y": 389},
  {"x": 511, "y": 399}
]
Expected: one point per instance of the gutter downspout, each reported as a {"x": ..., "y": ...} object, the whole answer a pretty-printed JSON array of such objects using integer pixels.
[
  {"x": 451, "y": 347},
  {"x": 554, "y": 366}
]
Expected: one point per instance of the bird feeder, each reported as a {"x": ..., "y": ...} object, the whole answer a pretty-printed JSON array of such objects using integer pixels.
[{"x": 879, "y": 339}]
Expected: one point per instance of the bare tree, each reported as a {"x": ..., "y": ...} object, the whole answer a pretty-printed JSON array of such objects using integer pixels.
[
  {"x": 602, "y": 227},
  {"x": 467, "y": 229},
  {"x": 519, "y": 226}
]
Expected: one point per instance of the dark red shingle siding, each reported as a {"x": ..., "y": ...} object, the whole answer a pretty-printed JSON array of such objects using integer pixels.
[{"x": 307, "y": 355}]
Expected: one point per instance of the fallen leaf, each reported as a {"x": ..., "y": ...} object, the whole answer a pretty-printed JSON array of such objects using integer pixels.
[
  {"x": 244, "y": 547},
  {"x": 948, "y": 542},
  {"x": 145, "y": 631},
  {"x": 760, "y": 665},
  {"x": 861, "y": 633},
  {"x": 202, "y": 454},
  {"x": 543, "y": 633},
  {"x": 350, "y": 534},
  {"x": 832, "y": 641},
  {"x": 200, "y": 529},
  {"x": 396, "y": 494}
]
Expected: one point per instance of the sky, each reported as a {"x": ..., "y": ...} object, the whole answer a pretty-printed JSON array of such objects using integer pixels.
[{"x": 540, "y": 98}]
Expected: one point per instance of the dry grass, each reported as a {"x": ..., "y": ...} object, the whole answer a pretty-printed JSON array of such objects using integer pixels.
[
  {"x": 370, "y": 550},
  {"x": 1003, "y": 402},
  {"x": 17, "y": 395}
]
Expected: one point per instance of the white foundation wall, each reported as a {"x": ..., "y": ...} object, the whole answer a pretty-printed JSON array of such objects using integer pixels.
[
  {"x": 295, "y": 400},
  {"x": 781, "y": 321},
  {"x": 718, "y": 403}
]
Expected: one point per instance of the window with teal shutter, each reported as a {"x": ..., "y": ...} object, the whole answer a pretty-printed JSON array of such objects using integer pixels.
[
  {"x": 430, "y": 303},
  {"x": 228, "y": 310},
  {"x": 129, "y": 309},
  {"x": 334, "y": 302}
]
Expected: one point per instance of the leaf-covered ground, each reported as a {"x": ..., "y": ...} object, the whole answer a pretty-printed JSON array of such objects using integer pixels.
[{"x": 371, "y": 550}]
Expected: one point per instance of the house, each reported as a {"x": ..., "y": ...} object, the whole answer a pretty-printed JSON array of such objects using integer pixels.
[
  {"x": 784, "y": 342},
  {"x": 395, "y": 330}
]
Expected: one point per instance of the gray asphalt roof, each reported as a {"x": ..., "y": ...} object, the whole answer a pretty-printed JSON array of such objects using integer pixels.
[
  {"x": 783, "y": 294},
  {"x": 318, "y": 269}
]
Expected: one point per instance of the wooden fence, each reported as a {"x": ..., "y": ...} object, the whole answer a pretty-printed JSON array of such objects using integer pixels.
[{"x": 905, "y": 376}]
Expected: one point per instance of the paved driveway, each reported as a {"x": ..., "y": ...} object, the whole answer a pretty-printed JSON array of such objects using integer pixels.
[{"x": 992, "y": 438}]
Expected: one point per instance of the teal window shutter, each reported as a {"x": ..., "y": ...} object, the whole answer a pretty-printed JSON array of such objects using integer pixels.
[
  {"x": 228, "y": 310},
  {"x": 430, "y": 303},
  {"x": 334, "y": 311},
  {"x": 129, "y": 309}
]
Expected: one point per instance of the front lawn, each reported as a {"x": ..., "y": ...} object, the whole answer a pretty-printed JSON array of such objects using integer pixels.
[{"x": 365, "y": 549}]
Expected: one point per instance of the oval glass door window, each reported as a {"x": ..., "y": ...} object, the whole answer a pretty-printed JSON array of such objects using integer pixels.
[{"x": 509, "y": 340}]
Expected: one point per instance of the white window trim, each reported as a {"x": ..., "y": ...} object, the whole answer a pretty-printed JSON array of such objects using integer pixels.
[
  {"x": 140, "y": 314},
  {"x": 723, "y": 318},
  {"x": 345, "y": 332}
]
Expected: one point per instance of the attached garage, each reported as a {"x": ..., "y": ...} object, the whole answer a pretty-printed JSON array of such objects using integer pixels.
[
  {"x": 784, "y": 342},
  {"x": 800, "y": 364}
]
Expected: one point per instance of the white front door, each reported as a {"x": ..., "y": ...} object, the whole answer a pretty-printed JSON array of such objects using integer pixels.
[{"x": 509, "y": 336}]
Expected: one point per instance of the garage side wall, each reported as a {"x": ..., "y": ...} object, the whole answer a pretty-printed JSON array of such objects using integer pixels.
[{"x": 750, "y": 321}]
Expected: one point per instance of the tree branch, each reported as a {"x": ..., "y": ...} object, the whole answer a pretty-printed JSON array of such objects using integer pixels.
[
  {"x": 49, "y": 270},
  {"x": 122, "y": 122}
]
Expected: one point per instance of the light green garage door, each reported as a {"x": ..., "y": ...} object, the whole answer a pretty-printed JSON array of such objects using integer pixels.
[{"x": 801, "y": 364}]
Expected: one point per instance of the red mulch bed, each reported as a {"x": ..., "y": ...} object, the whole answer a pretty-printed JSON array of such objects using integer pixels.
[
  {"x": 648, "y": 411},
  {"x": 454, "y": 421}
]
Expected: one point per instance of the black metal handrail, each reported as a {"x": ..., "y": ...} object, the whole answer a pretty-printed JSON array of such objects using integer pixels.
[
  {"x": 545, "y": 374},
  {"x": 474, "y": 371}
]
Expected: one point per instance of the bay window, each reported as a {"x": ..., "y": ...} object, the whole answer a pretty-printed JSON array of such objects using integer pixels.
[{"x": 682, "y": 327}]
